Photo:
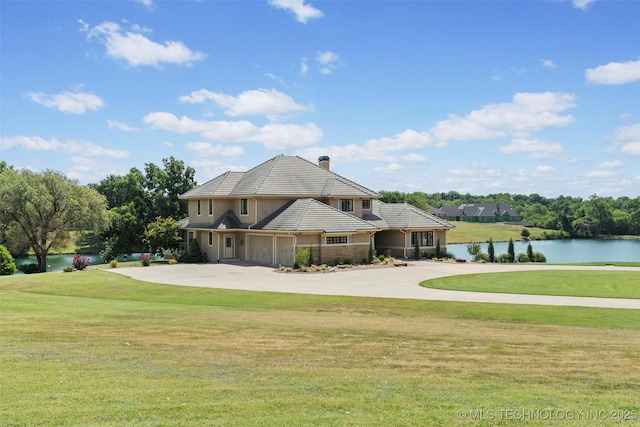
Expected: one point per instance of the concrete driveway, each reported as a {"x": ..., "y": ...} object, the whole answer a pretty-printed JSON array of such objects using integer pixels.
[{"x": 392, "y": 282}]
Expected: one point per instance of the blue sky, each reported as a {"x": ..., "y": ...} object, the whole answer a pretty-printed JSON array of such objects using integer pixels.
[{"x": 471, "y": 96}]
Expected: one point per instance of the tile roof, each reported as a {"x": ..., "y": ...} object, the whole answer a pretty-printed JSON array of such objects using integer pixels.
[
  {"x": 312, "y": 215},
  {"x": 227, "y": 221},
  {"x": 289, "y": 176},
  {"x": 404, "y": 215}
]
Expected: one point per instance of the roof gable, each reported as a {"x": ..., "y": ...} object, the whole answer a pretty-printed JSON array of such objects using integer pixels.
[
  {"x": 312, "y": 215},
  {"x": 288, "y": 176},
  {"x": 404, "y": 215}
]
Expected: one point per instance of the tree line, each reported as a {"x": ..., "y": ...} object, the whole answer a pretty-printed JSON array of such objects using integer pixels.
[
  {"x": 128, "y": 213},
  {"x": 574, "y": 216}
]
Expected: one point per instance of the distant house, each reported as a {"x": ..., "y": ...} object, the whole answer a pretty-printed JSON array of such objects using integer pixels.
[
  {"x": 264, "y": 214},
  {"x": 480, "y": 212}
]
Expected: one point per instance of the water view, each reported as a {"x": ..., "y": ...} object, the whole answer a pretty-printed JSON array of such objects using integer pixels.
[
  {"x": 566, "y": 250},
  {"x": 59, "y": 262}
]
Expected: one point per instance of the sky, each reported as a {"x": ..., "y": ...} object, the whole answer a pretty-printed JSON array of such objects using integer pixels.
[{"x": 477, "y": 97}]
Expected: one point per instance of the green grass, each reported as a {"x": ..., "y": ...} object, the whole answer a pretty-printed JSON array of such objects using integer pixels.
[
  {"x": 606, "y": 284},
  {"x": 97, "y": 349},
  {"x": 467, "y": 232}
]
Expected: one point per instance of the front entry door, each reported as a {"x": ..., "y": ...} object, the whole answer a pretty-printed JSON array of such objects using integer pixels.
[{"x": 229, "y": 244}]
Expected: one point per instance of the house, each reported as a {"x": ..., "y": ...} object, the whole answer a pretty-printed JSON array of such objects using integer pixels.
[
  {"x": 480, "y": 212},
  {"x": 264, "y": 214}
]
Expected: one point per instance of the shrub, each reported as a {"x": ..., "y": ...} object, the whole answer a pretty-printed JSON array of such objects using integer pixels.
[
  {"x": 173, "y": 261},
  {"x": 491, "y": 251},
  {"x": 302, "y": 256},
  {"x": 416, "y": 249},
  {"x": 511, "y": 251},
  {"x": 68, "y": 269},
  {"x": 538, "y": 256},
  {"x": 7, "y": 263},
  {"x": 449, "y": 255},
  {"x": 375, "y": 260},
  {"x": 381, "y": 257},
  {"x": 504, "y": 258},
  {"x": 114, "y": 263},
  {"x": 525, "y": 233},
  {"x": 530, "y": 253},
  {"x": 194, "y": 251},
  {"x": 337, "y": 261},
  {"x": 438, "y": 249},
  {"x": 370, "y": 253},
  {"x": 473, "y": 249},
  {"x": 523, "y": 257},
  {"x": 30, "y": 268},
  {"x": 80, "y": 263},
  {"x": 482, "y": 256},
  {"x": 145, "y": 259}
]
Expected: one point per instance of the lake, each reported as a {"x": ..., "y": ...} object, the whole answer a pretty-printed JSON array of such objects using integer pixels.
[
  {"x": 566, "y": 250},
  {"x": 59, "y": 262}
]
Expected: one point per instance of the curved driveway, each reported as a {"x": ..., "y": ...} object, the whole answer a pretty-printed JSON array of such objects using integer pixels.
[{"x": 392, "y": 282}]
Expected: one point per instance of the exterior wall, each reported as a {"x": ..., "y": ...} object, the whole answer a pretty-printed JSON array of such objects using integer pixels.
[
  {"x": 355, "y": 250},
  {"x": 391, "y": 243},
  {"x": 285, "y": 250},
  {"x": 357, "y": 205},
  {"x": 267, "y": 206}
]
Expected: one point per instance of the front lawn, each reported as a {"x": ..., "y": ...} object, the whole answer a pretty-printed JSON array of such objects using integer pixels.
[
  {"x": 606, "y": 284},
  {"x": 95, "y": 348}
]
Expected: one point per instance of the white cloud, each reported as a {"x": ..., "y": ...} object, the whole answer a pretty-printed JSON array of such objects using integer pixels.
[
  {"x": 328, "y": 61},
  {"x": 205, "y": 149},
  {"x": 534, "y": 148},
  {"x": 146, "y": 3},
  {"x": 114, "y": 124},
  {"x": 548, "y": 63},
  {"x": 36, "y": 143},
  {"x": 612, "y": 164},
  {"x": 527, "y": 113},
  {"x": 137, "y": 50},
  {"x": 614, "y": 73},
  {"x": 476, "y": 171},
  {"x": 303, "y": 12},
  {"x": 413, "y": 158},
  {"x": 304, "y": 68},
  {"x": 600, "y": 174},
  {"x": 389, "y": 168},
  {"x": 499, "y": 75},
  {"x": 273, "y": 135},
  {"x": 582, "y": 4},
  {"x": 68, "y": 102},
  {"x": 251, "y": 102},
  {"x": 632, "y": 148}
]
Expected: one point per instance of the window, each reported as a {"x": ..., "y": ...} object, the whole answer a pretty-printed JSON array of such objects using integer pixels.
[
  {"x": 336, "y": 240},
  {"x": 244, "y": 206},
  {"x": 210, "y": 207},
  {"x": 190, "y": 238},
  {"x": 210, "y": 238},
  {"x": 366, "y": 205},
  {"x": 199, "y": 208},
  {"x": 425, "y": 238},
  {"x": 346, "y": 205}
]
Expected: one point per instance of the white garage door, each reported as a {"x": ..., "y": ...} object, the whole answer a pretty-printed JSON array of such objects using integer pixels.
[
  {"x": 284, "y": 251},
  {"x": 260, "y": 249}
]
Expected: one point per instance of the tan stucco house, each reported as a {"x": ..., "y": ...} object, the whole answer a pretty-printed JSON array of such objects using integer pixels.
[{"x": 264, "y": 214}]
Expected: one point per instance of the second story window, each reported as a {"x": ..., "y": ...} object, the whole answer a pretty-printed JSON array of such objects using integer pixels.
[
  {"x": 210, "y": 207},
  {"x": 199, "y": 208},
  {"x": 244, "y": 206},
  {"x": 346, "y": 205},
  {"x": 366, "y": 204}
]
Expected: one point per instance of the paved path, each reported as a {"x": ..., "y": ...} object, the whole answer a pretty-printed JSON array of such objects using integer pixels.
[{"x": 394, "y": 282}]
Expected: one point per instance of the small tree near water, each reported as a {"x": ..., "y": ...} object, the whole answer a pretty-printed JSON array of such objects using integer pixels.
[
  {"x": 511, "y": 251},
  {"x": 7, "y": 264},
  {"x": 491, "y": 251}
]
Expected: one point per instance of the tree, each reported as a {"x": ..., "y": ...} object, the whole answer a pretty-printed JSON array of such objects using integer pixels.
[
  {"x": 122, "y": 232},
  {"x": 438, "y": 248},
  {"x": 474, "y": 249},
  {"x": 162, "y": 234},
  {"x": 491, "y": 250},
  {"x": 511, "y": 251},
  {"x": 530, "y": 253},
  {"x": 7, "y": 264},
  {"x": 166, "y": 185},
  {"x": 416, "y": 248},
  {"x": 46, "y": 206}
]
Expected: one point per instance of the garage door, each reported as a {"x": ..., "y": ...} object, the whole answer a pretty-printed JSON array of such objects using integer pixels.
[
  {"x": 284, "y": 251},
  {"x": 260, "y": 249}
]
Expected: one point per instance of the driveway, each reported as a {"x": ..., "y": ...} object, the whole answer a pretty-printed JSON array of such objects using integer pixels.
[{"x": 392, "y": 282}]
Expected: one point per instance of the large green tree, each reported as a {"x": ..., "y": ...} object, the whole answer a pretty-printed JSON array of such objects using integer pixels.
[
  {"x": 163, "y": 234},
  {"x": 46, "y": 206}
]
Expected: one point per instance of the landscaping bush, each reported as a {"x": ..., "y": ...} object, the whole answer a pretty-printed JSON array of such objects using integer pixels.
[
  {"x": 302, "y": 256},
  {"x": 80, "y": 262},
  {"x": 193, "y": 254},
  {"x": 7, "y": 263},
  {"x": 482, "y": 256},
  {"x": 173, "y": 261},
  {"x": 523, "y": 257},
  {"x": 491, "y": 251},
  {"x": 538, "y": 256},
  {"x": 30, "y": 268},
  {"x": 67, "y": 269},
  {"x": 504, "y": 258},
  {"x": 114, "y": 263},
  {"x": 145, "y": 259}
]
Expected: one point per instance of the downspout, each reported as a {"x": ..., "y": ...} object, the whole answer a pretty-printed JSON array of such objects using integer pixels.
[
  {"x": 218, "y": 247},
  {"x": 404, "y": 248}
]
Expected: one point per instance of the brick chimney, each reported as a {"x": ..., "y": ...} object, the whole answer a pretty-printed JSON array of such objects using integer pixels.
[{"x": 323, "y": 162}]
